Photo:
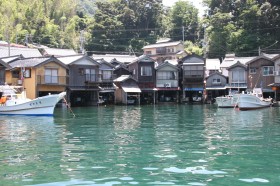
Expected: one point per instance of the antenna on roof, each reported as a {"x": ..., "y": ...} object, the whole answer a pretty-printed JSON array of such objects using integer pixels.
[{"x": 131, "y": 50}]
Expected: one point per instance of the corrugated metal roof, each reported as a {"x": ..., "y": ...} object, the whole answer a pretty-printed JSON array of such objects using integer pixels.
[
  {"x": 131, "y": 89},
  {"x": 122, "y": 78}
]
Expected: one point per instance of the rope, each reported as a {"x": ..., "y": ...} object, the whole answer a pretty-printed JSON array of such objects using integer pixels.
[{"x": 68, "y": 106}]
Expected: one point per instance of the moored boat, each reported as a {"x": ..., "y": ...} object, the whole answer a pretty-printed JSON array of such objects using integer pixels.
[
  {"x": 228, "y": 101},
  {"x": 18, "y": 104},
  {"x": 253, "y": 100}
]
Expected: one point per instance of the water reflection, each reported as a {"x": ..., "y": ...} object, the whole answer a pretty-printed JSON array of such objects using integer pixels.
[{"x": 147, "y": 145}]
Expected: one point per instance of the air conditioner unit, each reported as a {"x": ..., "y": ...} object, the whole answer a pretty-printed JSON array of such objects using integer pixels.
[
  {"x": 167, "y": 85},
  {"x": 19, "y": 82},
  {"x": 277, "y": 73}
]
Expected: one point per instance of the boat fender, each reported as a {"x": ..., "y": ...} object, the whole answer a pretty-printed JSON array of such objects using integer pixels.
[{"x": 3, "y": 100}]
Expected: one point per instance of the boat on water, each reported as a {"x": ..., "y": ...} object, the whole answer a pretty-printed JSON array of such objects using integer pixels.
[
  {"x": 253, "y": 100},
  {"x": 13, "y": 103},
  {"x": 228, "y": 101}
]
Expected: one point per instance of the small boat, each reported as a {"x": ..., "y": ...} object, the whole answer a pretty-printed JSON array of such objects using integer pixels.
[
  {"x": 17, "y": 104},
  {"x": 228, "y": 101},
  {"x": 253, "y": 100}
]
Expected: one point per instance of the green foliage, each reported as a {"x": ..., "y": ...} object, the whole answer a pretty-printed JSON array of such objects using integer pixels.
[
  {"x": 242, "y": 27},
  {"x": 120, "y": 24},
  {"x": 48, "y": 22},
  {"x": 183, "y": 14}
]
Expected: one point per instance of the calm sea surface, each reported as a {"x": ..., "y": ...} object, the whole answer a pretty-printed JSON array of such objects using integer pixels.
[{"x": 149, "y": 145}]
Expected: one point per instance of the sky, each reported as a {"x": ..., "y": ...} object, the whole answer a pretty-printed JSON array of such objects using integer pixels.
[{"x": 196, "y": 3}]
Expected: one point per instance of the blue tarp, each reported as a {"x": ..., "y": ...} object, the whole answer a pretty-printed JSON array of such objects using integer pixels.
[{"x": 194, "y": 89}]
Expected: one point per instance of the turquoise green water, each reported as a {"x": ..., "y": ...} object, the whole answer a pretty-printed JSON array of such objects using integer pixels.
[{"x": 148, "y": 145}]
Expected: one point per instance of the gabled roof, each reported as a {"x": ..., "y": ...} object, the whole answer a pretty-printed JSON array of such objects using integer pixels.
[
  {"x": 35, "y": 62},
  {"x": 6, "y": 65},
  {"x": 142, "y": 58},
  {"x": 227, "y": 62},
  {"x": 124, "y": 78},
  {"x": 163, "y": 44},
  {"x": 212, "y": 64},
  {"x": 69, "y": 60},
  {"x": 58, "y": 52},
  {"x": 216, "y": 73},
  {"x": 113, "y": 58},
  {"x": 257, "y": 58},
  {"x": 237, "y": 64},
  {"x": 164, "y": 64},
  {"x": 103, "y": 62},
  {"x": 25, "y": 52},
  {"x": 182, "y": 60}
]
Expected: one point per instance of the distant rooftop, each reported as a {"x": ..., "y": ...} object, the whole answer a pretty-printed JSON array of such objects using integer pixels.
[
  {"x": 69, "y": 59},
  {"x": 25, "y": 52},
  {"x": 111, "y": 57},
  {"x": 58, "y": 52},
  {"x": 163, "y": 44}
]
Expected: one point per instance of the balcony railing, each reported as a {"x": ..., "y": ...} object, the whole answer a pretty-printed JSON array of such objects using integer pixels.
[
  {"x": 52, "y": 80},
  {"x": 97, "y": 78}
]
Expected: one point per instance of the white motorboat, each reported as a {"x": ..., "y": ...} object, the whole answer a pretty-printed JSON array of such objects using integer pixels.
[
  {"x": 253, "y": 100},
  {"x": 18, "y": 104},
  {"x": 228, "y": 101}
]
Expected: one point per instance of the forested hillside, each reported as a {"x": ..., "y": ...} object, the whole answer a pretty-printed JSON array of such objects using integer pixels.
[{"x": 245, "y": 27}]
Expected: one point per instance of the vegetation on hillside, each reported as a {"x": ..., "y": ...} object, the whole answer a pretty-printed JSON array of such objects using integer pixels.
[{"x": 239, "y": 26}]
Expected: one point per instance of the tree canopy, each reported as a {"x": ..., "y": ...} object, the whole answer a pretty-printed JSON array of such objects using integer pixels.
[{"x": 243, "y": 27}]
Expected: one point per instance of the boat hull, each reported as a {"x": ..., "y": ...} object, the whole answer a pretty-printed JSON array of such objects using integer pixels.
[
  {"x": 251, "y": 102},
  {"x": 42, "y": 106},
  {"x": 226, "y": 102}
]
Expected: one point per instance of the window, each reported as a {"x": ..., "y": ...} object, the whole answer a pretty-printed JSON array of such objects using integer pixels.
[
  {"x": 216, "y": 81},
  {"x": 253, "y": 70},
  {"x": 148, "y": 52},
  {"x": 27, "y": 73},
  {"x": 161, "y": 50},
  {"x": 194, "y": 71},
  {"x": 81, "y": 71},
  {"x": 51, "y": 76},
  {"x": 238, "y": 76},
  {"x": 107, "y": 74},
  {"x": 146, "y": 71},
  {"x": 15, "y": 74},
  {"x": 268, "y": 71},
  {"x": 90, "y": 75},
  {"x": 166, "y": 75}
]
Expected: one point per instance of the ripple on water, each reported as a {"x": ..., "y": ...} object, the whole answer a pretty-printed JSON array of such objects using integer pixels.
[
  {"x": 255, "y": 180},
  {"x": 193, "y": 170}
]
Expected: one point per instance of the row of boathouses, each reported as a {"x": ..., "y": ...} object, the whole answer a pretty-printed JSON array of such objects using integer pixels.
[{"x": 147, "y": 79}]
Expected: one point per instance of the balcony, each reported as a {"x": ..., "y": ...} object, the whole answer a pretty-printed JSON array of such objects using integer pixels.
[{"x": 52, "y": 80}]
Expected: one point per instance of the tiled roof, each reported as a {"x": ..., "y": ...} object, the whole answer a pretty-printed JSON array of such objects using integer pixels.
[
  {"x": 119, "y": 58},
  {"x": 25, "y": 52},
  {"x": 29, "y": 62},
  {"x": 58, "y": 52},
  {"x": 165, "y": 44},
  {"x": 69, "y": 59},
  {"x": 243, "y": 60}
]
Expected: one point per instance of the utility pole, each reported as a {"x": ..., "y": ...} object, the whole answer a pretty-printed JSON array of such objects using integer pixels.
[
  {"x": 8, "y": 40},
  {"x": 183, "y": 30},
  {"x": 82, "y": 41}
]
